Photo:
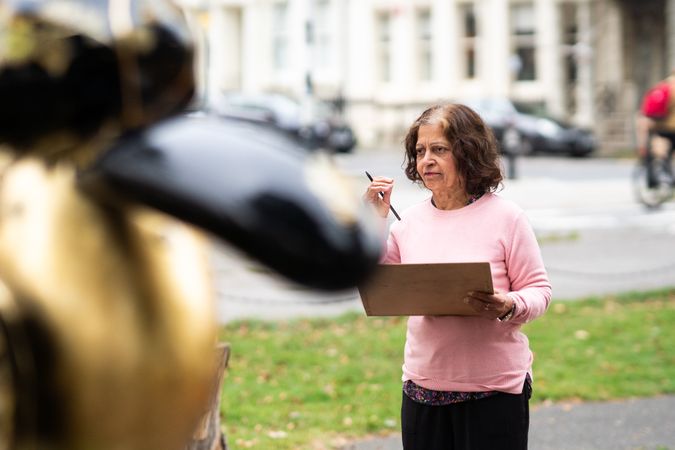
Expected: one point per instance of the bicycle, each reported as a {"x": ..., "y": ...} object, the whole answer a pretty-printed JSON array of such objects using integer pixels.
[{"x": 661, "y": 188}]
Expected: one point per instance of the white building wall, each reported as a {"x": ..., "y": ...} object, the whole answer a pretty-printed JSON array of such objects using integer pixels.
[
  {"x": 495, "y": 50},
  {"x": 361, "y": 73},
  {"x": 242, "y": 57},
  {"x": 255, "y": 71},
  {"x": 549, "y": 86},
  {"x": 402, "y": 58},
  {"x": 361, "y": 70},
  {"x": 445, "y": 36},
  {"x": 584, "y": 91},
  {"x": 224, "y": 41},
  {"x": 333, "y": 71},
  {"x": 300, "y": 53}
]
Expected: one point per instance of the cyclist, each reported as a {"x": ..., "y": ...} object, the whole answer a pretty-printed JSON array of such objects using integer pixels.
[{"x": 657, "y": 132}]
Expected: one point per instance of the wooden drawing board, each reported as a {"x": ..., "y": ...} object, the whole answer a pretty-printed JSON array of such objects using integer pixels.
[{"x": 424, "y": 289}]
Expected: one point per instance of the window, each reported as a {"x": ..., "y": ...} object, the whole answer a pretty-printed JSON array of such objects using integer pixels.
[
  {"x": 570, "y": 39},
  {"x": 469, "y": 40},
  {"x": 523, "y": 33},
  {"x": 323, "y": 51},
  {"x": 384, "y": 46},
  {"x": 424, "y": 44},
  {"x": 280, "y": 35}
]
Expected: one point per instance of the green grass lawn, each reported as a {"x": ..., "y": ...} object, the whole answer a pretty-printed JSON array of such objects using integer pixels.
[{"x": 312, "y": 384}]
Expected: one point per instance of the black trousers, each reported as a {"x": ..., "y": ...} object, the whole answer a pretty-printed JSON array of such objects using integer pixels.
[{"x": 499, "y": 422}]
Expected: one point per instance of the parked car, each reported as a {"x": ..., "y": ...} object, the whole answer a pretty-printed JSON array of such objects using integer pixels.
[
  {"x": 325, "y": 129},
  {"x": 524, "y": 129}
]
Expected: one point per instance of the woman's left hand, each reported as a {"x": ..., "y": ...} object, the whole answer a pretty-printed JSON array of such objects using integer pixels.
[{"x": 490, "y": 306}]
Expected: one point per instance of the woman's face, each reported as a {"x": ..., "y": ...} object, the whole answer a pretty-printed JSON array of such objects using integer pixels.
[{"x": 435, "y": 161}]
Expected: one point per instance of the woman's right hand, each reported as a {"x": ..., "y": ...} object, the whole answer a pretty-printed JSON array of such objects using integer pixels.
[{"x": 379, "y": 185}]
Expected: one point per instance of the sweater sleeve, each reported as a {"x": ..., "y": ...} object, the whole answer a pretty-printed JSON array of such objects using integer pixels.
[
  {"x": 392, "y": 254},
  {"x": 530, "y": 287}
]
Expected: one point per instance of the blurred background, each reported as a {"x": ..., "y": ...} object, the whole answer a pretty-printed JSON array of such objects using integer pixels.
[
  {"x": 368, "y": 67},
  {"x": 561, "y": 79}
]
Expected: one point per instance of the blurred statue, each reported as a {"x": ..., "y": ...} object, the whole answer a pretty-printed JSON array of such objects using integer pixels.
[{"x": 107, "y": 330}]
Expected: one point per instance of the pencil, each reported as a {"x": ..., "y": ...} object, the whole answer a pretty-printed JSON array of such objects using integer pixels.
[{"x": 382, "y": 196}]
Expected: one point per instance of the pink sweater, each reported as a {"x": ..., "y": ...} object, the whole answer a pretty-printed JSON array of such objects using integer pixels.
[{"x": 472, "y": 354}]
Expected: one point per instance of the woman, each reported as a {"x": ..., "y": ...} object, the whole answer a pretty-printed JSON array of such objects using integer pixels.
[{"x": 467, "y": 380}]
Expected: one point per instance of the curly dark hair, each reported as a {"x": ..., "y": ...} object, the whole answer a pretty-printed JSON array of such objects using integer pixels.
[{"x": 472, "y": 144}]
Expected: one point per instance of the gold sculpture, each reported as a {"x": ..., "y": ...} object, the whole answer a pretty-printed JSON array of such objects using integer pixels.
[
  {"x": 107, "y": 328},
  {"x": 107, "y": 308},
  {"x": 118, "y": 304}
]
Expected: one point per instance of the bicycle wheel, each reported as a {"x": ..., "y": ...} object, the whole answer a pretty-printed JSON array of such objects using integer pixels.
[{"x": 662, "y": 189}]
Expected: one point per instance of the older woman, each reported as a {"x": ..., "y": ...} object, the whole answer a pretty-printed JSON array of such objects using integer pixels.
[{"x": 467, "y": 380}]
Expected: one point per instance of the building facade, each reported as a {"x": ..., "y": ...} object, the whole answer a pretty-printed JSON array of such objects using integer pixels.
[{"x": 588, "y": 61}]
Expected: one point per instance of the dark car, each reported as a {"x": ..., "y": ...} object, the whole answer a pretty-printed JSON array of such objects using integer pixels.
[
  {"x": 324, "y": 129},
  {"x": 524, "y": 129}
]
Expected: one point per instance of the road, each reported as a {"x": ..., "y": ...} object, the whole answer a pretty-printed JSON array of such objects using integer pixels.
[{"x": 595, "y": 238}]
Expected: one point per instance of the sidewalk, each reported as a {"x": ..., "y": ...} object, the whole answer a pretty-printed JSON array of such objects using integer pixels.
[
  {"x": 595, "y": 241},
  {"x": 644, "y": 424}
]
